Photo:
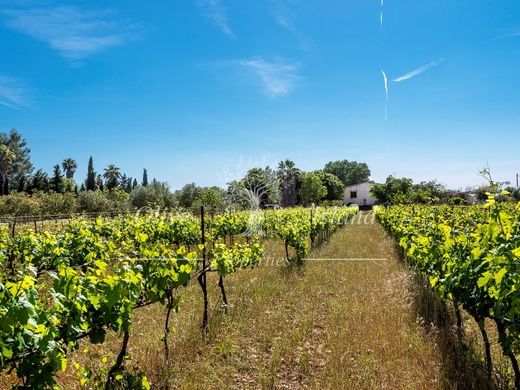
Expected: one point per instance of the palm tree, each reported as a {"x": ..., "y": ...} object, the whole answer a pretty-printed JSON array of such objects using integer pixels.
[
  {"x": 69, "y": 167},
  {"x": 7, "y": 157},
  {"x": 288, "y": 178},
  {"x": 112, "y": 176}
]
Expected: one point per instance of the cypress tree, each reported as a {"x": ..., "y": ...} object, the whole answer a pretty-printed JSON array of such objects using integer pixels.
[
  {"x": 128, "y": 185},
  {"x": 39, "y": 182},
  {"x": 145, "y": 178},
  {"x": 90, "y": 183},
  {"x": 134, "y": 185},
  {"x": 57, "y": 180}
]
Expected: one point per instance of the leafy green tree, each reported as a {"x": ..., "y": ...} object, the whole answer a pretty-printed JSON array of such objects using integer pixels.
[
  {"x": 333, "y": 184},
  {"x": 514, "y": 193},
  {"x": 127, "y": 184},
  {"x": 93, "y": 201},
  {"x": 155, "y": 195},
  {"x": 187, "y": 195},
  {"x": 430, "y": 192},
  {"x": 394, "y": 190},
  {"x": 68, "y": 185},
  {"x": 57, "y": 180},
  {"x": 21, "y": 166},
  {"x": 53, "y": 203},
  {"x": 145, "y": 178},
  {"x": 112, "y": 176},
  {"x": 349, "y": 172},
  {"x": 38, "y": 182},
  {"x": 69, "y": 167},
  {"x": 312, "y": 190},
  {"x": 457, "y": 201},
  {"x": 7, "y": 157},
  {"x": 210, "y": 197},
  {"x": 22, "y": 184},
  {"x": 100, "y": 185},
  {"x": 289, "y": 178},
  {"x": 258, "y": 189},
  {"x": 90, "y": 183}
]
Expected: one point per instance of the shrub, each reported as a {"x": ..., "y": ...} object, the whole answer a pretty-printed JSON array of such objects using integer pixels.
[
  {"x": 93, "y": 202},
  {"x": 17, "y": 204},
  {"x": 457, "y": 201},
  {"x": 156, "y": 195},
  {"x": 52, "y": 203}
]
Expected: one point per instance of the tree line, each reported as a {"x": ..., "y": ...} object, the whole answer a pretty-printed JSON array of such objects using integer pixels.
[
  {"x": 403, "y": 190},
  {"x": 17, "y": 172},
  {"x": 27, "y": 190}
]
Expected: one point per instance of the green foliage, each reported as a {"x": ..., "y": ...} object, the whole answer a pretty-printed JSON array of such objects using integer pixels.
[
  {"x": 98, "y": 272},
  {"x": 112, "y": 176},
  {"x": 19, "y": 203},
  {"x": 470, "y": 255},
  {"x": 69, "y": 167},
  {"x": 7, "y": 158},
  {"x": 52, "y": 203},
  {"x": 394, "y": 190},
  {"x": 144, "y": 182},
  {"x": 96, "y": 201},
  {"x": 57, "y": 180},
  {"x": 156, "y": 195},
  {"x": 312, "y": 190},
  {"x": 289, "y": 178},
  {"x": 210, "y": 197},
  {"x": 226, "y": 260},
  {"x": 349, "y": 172},
  {"x": 40, "y": 203},
  {"x": 333, "y": 184},
  {"x": 20, "y": 166},
  {"x": 100, "y": 184},
  {"x": 90, "y": 182},
  {"x": 39, "y": 182},
  {"x": 457, "y": 201},
  {"x": 261, "y": 185},
  {"x": 187, "y": 195}
]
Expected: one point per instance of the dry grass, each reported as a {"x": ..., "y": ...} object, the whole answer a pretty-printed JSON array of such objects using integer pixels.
[{"x": 329, "y": 325}]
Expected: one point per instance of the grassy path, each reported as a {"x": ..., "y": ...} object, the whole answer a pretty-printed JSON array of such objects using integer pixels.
[{"x": 335, "y": 324}]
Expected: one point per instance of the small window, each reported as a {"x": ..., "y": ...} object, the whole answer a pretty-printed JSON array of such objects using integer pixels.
[{"x": 353, "y": 194}]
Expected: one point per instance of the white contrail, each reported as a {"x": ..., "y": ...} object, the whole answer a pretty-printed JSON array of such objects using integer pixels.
[
  {"x": 381, "y": 16},
  {"x": 418, "y": 71},
  {"x": 385, "y": 79}
]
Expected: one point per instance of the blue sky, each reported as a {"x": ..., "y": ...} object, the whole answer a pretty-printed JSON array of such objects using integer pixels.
[{"x": 200, "y": 90}]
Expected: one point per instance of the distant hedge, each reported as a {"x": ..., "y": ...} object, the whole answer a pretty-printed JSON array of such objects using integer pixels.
[{"x": 51, "y": 203}]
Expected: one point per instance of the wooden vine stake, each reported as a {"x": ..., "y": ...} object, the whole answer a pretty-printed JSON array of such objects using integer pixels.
[{"x": 202, "y": 276}]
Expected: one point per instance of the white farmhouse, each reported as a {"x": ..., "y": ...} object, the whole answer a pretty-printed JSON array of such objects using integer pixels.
[{"x": 359, "y": 194}]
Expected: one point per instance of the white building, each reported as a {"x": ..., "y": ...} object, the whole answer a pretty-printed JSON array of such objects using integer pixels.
[{"x": 359, "y": 194}]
